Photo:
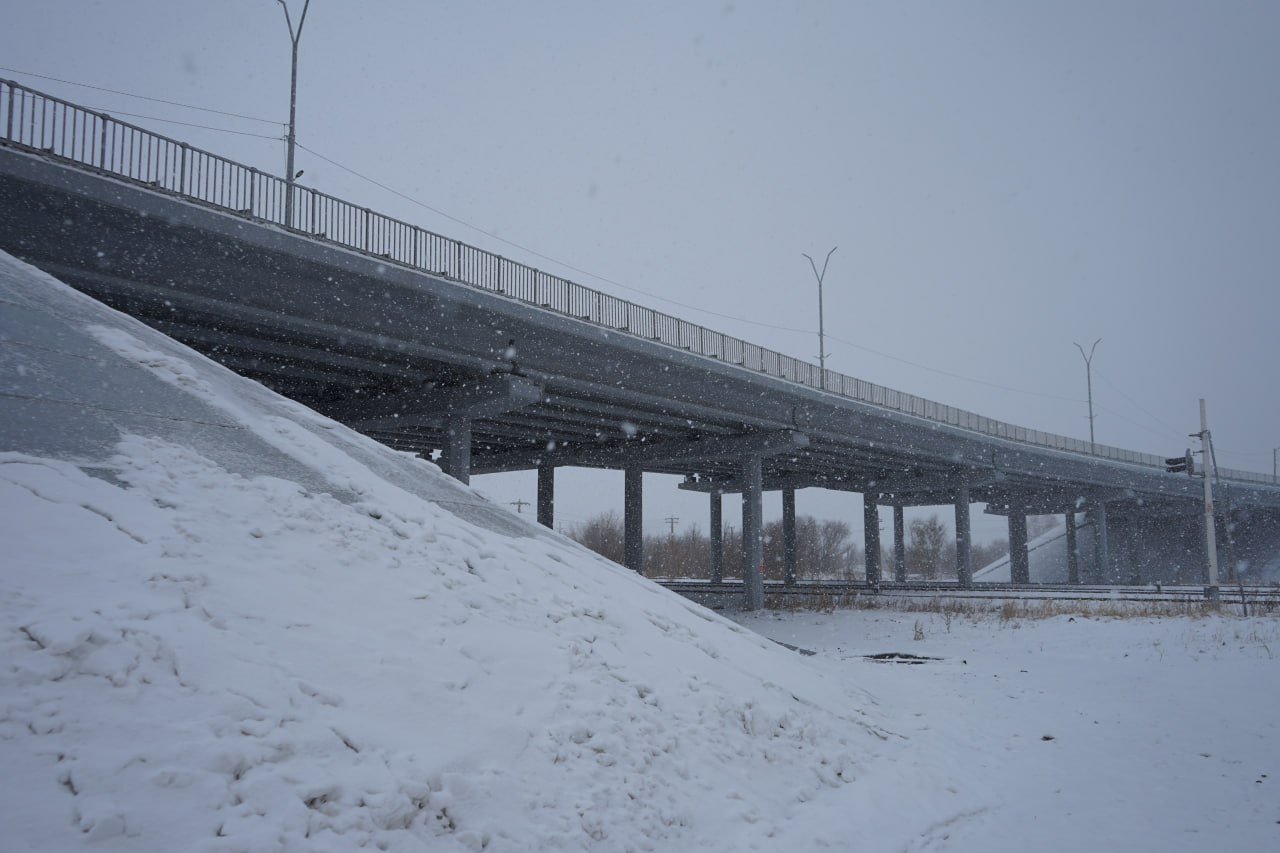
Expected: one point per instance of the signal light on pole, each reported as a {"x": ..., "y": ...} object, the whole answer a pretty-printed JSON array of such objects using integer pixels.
[{"x": 1178, "y": 464}]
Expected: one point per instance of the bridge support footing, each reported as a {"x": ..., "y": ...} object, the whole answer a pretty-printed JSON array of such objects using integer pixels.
[
  {"x": 1133, "y": 549},
  {"x": 1073, "y": 550},
  {"x": 789, "y": 536},
  {"x": 547, "y": 495},
  {"x": 752, "y": 532},
  {"x": 899, "y": 544},
  {"x": 717, "y": 537},
  {"x": 456, "y": 456},
  {"x": 1102, "y": 544},
  {"x": 871, "y": 537},
  {"x": 633, "y": 518},
  {"x": 1019, "y": 560},
  {"x": 964, "y": 539}
]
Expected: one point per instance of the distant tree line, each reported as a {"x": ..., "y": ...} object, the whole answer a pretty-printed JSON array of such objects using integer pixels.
[{"x": 825, "y": 549}]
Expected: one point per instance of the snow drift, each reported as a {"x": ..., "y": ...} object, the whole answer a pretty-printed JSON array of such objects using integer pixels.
[{"x": 230, "y": 624}]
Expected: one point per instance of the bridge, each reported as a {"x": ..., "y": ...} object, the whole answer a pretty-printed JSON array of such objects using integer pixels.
[{"x": 429, "y": 345}]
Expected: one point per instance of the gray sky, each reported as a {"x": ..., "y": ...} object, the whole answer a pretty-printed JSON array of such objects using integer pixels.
[{"x": 1002, "y": 178}]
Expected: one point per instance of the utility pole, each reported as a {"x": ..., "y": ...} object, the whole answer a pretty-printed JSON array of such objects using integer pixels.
[
  {"x": 672, "y": 521},
  {"x": 822, "y": 349},
  {"x": 1210, "y": 533},
  {"x": 1275, "y": 454},
  {"x": 519, "y": 505},
  {"x": 289, "y": 176},
  {"x": 1088, "y": 375}
]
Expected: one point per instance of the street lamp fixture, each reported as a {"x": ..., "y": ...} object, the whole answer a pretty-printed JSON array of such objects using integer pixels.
[
  {"x": 1088, "y": 375},
  {"x": 822, "y": 350},
  {"x": 289, "y": 176}
]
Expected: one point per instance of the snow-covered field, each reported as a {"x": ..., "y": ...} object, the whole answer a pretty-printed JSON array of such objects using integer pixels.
[
  {"x": 1074, "y": 732},
  {"x": 228, "y": 624}
]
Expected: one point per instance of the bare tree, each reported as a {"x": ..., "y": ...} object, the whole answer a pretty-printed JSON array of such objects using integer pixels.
[
  {"x": 602, "y": 534},
  {"x": 928, "y": 537},
  {"x": 824, "y": 549}
]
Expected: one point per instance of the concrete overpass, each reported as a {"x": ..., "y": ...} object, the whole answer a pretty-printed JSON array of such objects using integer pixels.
[{"x": 428, "y": 344}]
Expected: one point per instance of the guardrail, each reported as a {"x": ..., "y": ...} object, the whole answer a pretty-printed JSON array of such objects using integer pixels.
[{"x": 53, "y": 127}]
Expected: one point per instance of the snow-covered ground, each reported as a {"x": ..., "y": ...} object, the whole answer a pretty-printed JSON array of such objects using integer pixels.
[
  {"x": 1075, "y": 733},
  {"x": 229, "y": 624}
]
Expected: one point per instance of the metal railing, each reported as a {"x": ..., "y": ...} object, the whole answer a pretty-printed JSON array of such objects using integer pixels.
[{"x": 53, "y": 127}]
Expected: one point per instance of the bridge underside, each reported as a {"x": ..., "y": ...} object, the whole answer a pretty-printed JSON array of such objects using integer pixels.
[{"x": 427, "y": 365}]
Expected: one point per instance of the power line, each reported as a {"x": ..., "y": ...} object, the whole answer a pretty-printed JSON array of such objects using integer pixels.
[
  {"x": 538, "y": 254},
  {"x": 951, "y": 375},
  {"x": 619, "y": 284},
  {"x": 1154, "y": 419},
  {"x": 1128, "y": 420},
  {"x": 187, "y": 124},
  {"x": 535, "y": 253},
  {"x": 139, "y": 97}
]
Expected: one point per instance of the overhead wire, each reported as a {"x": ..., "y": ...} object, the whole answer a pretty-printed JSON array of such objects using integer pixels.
[
  {"x": 189, "y": 124},
  {"x": 545, "y": 257},
  {"x": 139, "y": 97},
  {"x": 615, "y": 283},
  {"x": 512, "y": 243},
  {"x": 1155, "y": 420},
  {"x": 951, "y": 375}
]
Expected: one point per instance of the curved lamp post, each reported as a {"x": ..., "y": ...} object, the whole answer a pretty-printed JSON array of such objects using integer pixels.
[
  {"x": 822, "y": 350},
  {"x": 1088, "y": 374},
  {"x": 294, "y": 37}
]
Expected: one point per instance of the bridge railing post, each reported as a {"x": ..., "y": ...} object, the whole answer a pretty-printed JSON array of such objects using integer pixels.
[
  {"x": 8, "y": 127},
  {"x": 102, "y": 144}
]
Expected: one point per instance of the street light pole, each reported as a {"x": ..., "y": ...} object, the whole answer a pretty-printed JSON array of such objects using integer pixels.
[
  {"x": 289, "y": 176},
  {"x": 822, "y": 350},
  {"x": 1210, "y": 534},
  {"x": 1088, "y": 374},
  {"x": 1275, "y": 454}
]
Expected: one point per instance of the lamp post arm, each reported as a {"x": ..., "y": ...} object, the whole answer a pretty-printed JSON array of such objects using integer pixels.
[
  {"x": 1088, "y": 374},
  {"x": 294, "y": 37},
  {"x": 822, "y": 349}
]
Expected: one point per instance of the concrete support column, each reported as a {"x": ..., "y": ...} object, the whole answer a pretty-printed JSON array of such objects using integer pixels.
[
  {"x": 1133, "y": 548},
  {"x": 455, "y": 458},
  {"x": 547, "y": 495},
  {"x": 964, "y": 539},
  {"x": 1019, "y": 562},
  {"x": 871, "y": 537},
  {"x": 1102, "y": 544},
  {"x": 717, "y": 538},
  {"x": 633, "y": 518},
  {"x": 1073, "y": 551},
  {"x": 753, "y": 531},
  {"x": 789, "y": 536},
  {"x": 899, "y": 545}
]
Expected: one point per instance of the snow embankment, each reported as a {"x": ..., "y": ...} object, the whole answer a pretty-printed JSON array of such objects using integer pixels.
[{"x": 229, "y": 624}]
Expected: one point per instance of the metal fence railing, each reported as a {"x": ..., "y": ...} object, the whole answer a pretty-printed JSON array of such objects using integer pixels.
[{"x": 94, "y": 140}]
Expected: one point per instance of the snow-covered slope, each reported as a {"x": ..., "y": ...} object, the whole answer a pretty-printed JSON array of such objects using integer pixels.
[{"x": 230, "y": 624}]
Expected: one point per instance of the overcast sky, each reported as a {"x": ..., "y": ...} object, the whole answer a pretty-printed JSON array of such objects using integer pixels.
[{"x": 1002, "y": 179}]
